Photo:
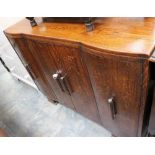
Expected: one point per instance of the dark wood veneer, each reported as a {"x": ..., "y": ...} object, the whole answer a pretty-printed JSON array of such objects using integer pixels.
[
  {"x": 111, "y": 77},
  {"x": 103, "y": 74}
]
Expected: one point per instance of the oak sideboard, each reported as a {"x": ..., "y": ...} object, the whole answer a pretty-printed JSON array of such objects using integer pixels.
[{"x": 105, "y": 75}]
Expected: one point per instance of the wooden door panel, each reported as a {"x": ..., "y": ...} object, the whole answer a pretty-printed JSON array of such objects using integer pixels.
[
  {"x": 45, "y": 60},
  {"x": 28, "y": 61},
  {"x": 82, "y": 94},
  {"x": 111, "y": 77}
]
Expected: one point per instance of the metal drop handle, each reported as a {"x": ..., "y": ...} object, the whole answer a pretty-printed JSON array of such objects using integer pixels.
[
  {"x": 66, "y": 84},
  {"x": 57, "y": 77},
  {"x": 112, "y": 105}
]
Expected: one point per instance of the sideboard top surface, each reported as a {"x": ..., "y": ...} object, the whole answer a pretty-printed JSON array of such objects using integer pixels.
[{"x": 133, "y": 36}]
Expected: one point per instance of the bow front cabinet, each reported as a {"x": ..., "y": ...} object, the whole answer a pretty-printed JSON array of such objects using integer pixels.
[{"x": 104, "y": 74}]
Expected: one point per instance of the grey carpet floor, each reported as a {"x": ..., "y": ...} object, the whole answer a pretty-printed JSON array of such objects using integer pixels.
[{"x": 24, "y": 112}]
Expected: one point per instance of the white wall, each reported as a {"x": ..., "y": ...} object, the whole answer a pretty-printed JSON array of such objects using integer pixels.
[
  {"x": 8, "y": 21},
  {"x": 4, "y": 23},
  {"x": 8, "y": 54}
]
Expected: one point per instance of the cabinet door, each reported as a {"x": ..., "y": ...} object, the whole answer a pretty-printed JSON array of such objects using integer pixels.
[
  {"x": 117, "y": 87},
  {"x": 77, "y": 90},
  {"x": 33, "y": 69}
]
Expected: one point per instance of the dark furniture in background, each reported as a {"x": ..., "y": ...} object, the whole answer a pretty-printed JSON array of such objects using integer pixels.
[
  {"x": 88, "y": 21},
  {"x": 105, "y": 74}
]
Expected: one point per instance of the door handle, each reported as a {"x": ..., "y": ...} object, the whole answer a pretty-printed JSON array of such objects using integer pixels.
[
  {"x": 112, "y": 105},
  {"x": 57, "y": 77},
  {"x": 66, "y": 84}
]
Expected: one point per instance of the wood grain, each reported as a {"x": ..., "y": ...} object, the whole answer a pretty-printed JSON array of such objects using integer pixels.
[
  {"x": 53, "y": 58},
  {"x": 128, "y": 36},
  {"x": 113, "y": 77},
  {"x": 105, "y": 74}
]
